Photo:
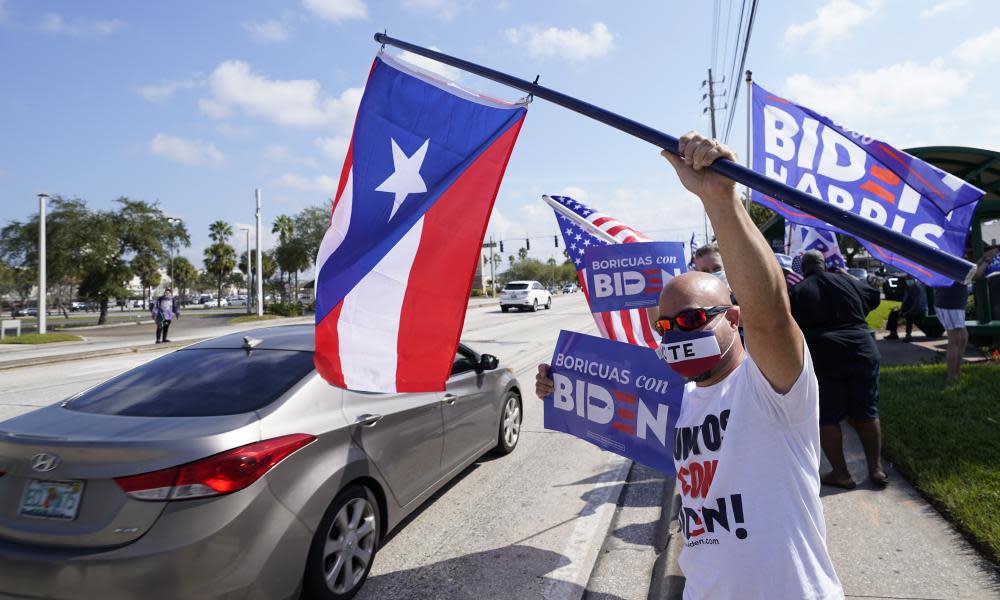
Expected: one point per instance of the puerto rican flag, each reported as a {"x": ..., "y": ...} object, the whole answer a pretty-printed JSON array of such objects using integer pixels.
[
  {"x": 396, "y": 265},
  {"x": 582, "y": 227}
]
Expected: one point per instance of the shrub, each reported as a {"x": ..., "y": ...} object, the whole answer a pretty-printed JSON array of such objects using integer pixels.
[{"x": 284, "y": 309}]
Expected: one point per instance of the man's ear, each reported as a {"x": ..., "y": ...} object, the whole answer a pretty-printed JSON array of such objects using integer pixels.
[{"x": 733, "y": 315}]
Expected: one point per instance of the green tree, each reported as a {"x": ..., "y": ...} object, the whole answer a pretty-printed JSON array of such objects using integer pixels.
[
  {"x": 147, "y": 268},
  {"x": 220, "y": 260},
  {"x": 185, "y": 275},
  {"x": 310, "y": 225},
  {"x": 220, "y": 232}
]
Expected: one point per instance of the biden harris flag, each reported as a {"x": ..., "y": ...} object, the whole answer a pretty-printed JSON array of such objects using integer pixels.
[
  {"x": 415, "y": 194},
  {"x": 861, "y": 175}
]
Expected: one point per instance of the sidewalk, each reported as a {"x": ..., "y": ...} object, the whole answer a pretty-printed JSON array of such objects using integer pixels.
[{"x": 125, "y": 338}]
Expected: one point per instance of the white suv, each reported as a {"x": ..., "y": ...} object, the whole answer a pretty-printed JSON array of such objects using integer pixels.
[{"x": 524, "y": 294}]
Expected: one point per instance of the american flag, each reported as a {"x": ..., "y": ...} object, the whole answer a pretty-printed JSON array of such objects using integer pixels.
[
  {"x": 793, "y": 275},
  {"x": 587, "y": 227}
]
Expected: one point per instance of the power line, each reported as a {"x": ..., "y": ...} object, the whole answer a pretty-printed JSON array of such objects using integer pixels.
[
  {"x": 715, "y": 31},
  {"x": 743, "y": 61}
]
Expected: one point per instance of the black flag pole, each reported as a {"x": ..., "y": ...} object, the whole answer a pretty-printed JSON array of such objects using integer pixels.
[{"x": 906, "y": 247}]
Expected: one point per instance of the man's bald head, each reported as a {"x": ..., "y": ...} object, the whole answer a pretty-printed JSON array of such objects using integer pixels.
[{"x": 691, "y": 290}]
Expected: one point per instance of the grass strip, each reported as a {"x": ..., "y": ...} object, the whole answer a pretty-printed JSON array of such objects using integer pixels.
[
  {"x": 946, "y": 441},
  {"x": 42, "y": 338}
]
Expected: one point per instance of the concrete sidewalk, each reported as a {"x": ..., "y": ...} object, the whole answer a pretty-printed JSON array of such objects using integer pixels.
[{"x": 120, "y": 338}]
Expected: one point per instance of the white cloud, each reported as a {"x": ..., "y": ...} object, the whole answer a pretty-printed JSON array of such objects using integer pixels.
[
  {"x": 982, "y": 49},
  {"x": 571, "y": 44},
  {"x": 834, "y": 20},
  {"x": 188, "y": 152},
  {"x": 230, "y": 130},
  {"x": 55, "y": 24},
  {"x": 281, "y": 154},
  {"x": 337, "y": 10},
  {"x": 903, "y": 88},
  {"x": 942, "y": 7},
  {"x": 267, "y": 32},
  {"x": 450, "y": 73},
  {"x": 319, "y": 183},
  {"x": 334, "y": 148},
  {"x": 297, "y": 102},
  {"x": 156, "y": 92},
  {"x": 444, "y": 9}
]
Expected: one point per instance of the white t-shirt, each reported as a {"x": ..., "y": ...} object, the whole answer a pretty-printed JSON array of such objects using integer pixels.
[{"x": 747, "y": 463}]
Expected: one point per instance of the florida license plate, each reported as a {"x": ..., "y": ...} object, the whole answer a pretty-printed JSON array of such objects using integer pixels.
[{"x": 51, "y": 499}]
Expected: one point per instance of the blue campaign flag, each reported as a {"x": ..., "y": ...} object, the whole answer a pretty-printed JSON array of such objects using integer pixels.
[
  {"x": 626, "y": 276},
  {"x": 619, "y": 397},
  {"x": 861, "y": 175}
]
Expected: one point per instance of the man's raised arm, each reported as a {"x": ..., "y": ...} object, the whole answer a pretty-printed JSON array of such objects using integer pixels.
[{"x": 772, "y": 337}]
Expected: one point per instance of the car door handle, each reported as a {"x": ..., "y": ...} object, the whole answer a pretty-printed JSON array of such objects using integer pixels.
[
  {"x": 368, "y": 420},
  {"x": 449, "y": 399}
]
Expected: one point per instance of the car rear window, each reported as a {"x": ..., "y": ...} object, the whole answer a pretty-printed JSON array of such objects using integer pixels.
[
  {"x": 198, "y": 383},
  {"x": 516, "y": 286}
]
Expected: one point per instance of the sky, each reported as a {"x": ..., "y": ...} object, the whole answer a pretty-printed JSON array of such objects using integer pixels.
[{"x": 195, "y": 104}]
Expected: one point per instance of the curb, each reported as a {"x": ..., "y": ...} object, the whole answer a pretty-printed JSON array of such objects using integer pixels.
[
  {"x": 58, "y": 358},
  {"x": 668, "y": 580}
]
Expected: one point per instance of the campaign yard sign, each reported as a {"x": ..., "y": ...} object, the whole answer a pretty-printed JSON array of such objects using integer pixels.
[
  {"x": 627, "y": 276},
  {"x": 619, "y": 397}
]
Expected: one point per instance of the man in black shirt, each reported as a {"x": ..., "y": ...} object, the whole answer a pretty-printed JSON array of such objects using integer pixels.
[
  {"x": 830, "y": 308},
  {"x": 913, "y": 309}
]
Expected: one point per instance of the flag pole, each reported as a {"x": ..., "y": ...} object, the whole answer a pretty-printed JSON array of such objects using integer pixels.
[
  {"x": 950, "y": 266},
  {"x": 749, "y": 80}
]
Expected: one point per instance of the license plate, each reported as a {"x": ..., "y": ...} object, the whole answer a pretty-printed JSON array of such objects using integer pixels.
[{"x": 51, "y": 499}]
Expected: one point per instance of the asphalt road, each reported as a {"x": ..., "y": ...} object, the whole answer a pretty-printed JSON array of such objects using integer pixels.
[{"x": 529, "y": 525}]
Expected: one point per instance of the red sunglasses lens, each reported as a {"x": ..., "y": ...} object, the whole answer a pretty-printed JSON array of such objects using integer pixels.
[{"x": 691, "y": 319}]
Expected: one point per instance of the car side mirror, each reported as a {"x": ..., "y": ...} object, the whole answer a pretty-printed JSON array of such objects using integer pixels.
[{"x": 488, "y": 362}]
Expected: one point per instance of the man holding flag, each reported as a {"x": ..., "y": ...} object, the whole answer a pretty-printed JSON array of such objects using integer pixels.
[{"x": 749, "y": 427}]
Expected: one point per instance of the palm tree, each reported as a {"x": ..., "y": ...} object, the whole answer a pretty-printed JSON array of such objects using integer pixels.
[
  {"x": 220, "y": 232},
  {"x": 284, "y": 227}
]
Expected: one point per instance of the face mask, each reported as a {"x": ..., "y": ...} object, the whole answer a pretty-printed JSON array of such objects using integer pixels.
[{"x": 692, "y": 354}]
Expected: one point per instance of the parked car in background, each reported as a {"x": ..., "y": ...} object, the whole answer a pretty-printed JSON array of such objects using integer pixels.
[
  {"x": 236, "y": 301},
  {"x": 891, "y": 282},
  {"x": 229, "y": 469},
  {"x": 569, "y": 288},
  {"x": 524, "y": 294},
  {"x": 27, "y": 311},
  {"x": 859, "y": 274}
]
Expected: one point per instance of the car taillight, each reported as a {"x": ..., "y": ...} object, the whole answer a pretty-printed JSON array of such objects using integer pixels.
[{"x": 222, "y": 473}]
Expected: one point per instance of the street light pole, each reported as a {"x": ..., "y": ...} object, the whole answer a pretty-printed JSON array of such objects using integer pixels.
[
  {"x": 173, "y": 222},
  {"x": 260, "y": 270},
  {"x": 249, "y": 270},
  {"x": 41, "y": 262}
]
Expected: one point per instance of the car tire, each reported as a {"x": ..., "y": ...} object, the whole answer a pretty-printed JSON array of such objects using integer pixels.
[
  {"x": 511, "y": 415},
  {"x": 534, "y": 305},
  {"x": 504, "y": 308},
  {"x": 349, "y": 531},
  {"x": 548, "y": 305}
]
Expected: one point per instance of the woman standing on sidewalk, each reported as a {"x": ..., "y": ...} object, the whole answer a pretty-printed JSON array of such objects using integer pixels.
[{"x": 164, "y": 310}]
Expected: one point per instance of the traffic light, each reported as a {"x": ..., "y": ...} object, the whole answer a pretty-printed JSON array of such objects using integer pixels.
[
  {"x": 555, "y": 239},
  {"x": 501, "y": 246},
  {"x": 527, "y": 243}
]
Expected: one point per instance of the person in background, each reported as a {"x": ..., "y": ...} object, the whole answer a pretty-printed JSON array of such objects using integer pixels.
[
  {"x": 831, "y": 309},
  {"x": 164, "y": 311},
  {"x": 949, "y": 306},
  {"x": 707, "y": 259},
  {"x": 913, "y": 309}
]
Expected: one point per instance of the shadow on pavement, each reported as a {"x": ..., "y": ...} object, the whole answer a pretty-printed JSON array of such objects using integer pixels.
[{"x": 509, "y": 572}]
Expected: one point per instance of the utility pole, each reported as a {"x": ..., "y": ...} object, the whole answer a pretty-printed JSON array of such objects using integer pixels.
[
  {"x": 260, "y": 270},
  {"x": 41, "y": 262},
  {"x": 493, "y": 274},
  {"x": 710, "y": 109}
]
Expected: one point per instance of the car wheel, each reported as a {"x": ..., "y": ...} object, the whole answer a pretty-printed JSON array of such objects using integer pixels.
[
  {"x": 534, "y": 305},
  {"x": 548, "y": 305},
  {"x": 344, "y": 547},
  {"x": 504, "y": 308},
  {"x": 510, "y": 423}
]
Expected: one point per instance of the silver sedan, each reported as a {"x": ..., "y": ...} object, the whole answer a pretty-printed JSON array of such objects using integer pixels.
[{"x": 230, "y": 469}]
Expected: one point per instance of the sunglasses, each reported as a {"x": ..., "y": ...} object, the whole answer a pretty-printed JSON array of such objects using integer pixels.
[{"x": 689, "y": 319}]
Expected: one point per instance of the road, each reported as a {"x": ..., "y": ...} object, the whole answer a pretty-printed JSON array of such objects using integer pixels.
[{"x": 528, "y": 525}]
